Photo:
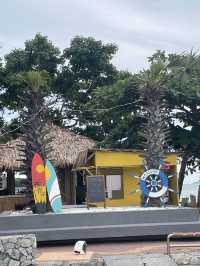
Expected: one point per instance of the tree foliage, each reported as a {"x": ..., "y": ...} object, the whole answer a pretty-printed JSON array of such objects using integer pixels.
[
  {"x": 185, "y": 108},
  {"x": 87, "y": 65},
  {"x": 97, "y": 100},
  {"x": 39, "y": 54},
  {"x": 116, "y": 118},
  {"x": 183, "y": 98}
]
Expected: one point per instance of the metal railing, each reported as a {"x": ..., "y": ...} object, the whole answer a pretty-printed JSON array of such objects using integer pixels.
[{"x": 181, "y": 235}]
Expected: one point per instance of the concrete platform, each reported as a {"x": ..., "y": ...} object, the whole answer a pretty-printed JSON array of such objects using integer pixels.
[{"x": 99, "y": 223}]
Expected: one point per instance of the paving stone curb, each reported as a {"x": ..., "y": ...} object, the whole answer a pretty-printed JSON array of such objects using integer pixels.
[{"x": 93, "y": 262}]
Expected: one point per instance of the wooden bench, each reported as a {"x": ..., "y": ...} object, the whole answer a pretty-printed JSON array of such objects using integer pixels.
[{"x": 9, "y": 202}]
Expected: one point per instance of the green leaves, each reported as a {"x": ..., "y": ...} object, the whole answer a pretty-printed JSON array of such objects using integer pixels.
[
  {"x": 99, "y": 101},
  {"x": 86, "y": 66},
  {"x": 116, "y": 113},
  {"x": 36, "y": 63},
  {"x": 34, "y": 80},
  {"x": 38, "y": 54}
]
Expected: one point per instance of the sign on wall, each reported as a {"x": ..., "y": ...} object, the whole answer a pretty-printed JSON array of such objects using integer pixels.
[
  {"x": 3, "y": 180},
  {"x": 95, "y": 189}
]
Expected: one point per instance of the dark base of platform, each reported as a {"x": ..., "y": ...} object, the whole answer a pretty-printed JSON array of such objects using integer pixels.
[{"x": 103, "y": 224}]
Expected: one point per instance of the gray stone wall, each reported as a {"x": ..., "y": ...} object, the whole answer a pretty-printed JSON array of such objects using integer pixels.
[{"x": 17, "y": 250}]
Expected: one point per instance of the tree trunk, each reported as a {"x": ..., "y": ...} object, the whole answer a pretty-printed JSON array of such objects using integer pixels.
[{"x": 181, "y": 176}]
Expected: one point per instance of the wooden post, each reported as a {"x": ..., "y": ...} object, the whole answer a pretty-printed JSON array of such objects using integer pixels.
[
  {"x": 193, "y": 202},
  {"x": 105, "y": 193},
  {"x": 87, "y": 202},
  {"x": 198, "y": 198}
]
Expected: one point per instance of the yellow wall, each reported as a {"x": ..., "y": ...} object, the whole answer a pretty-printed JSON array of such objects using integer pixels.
[
  {"x": 117, "y": 159},
  {"x": 126, "y": 160},
  {"x": 129, "y": 184}
]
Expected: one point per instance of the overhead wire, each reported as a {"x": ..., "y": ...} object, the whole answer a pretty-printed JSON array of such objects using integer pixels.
[
  {"x": 21, "y": 124},
  {"x": 105, "y": 109},
  {"x": 74, "y": 110}
]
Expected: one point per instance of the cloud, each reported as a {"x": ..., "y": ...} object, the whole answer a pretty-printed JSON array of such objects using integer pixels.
[{"x": 139, "y": 28}]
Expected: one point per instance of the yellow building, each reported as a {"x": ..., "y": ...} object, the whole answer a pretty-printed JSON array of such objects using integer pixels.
[{"x": 119, "y": 168}]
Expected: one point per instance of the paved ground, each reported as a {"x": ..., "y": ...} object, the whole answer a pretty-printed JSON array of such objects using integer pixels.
[
  {"x": 100, "y": 249},
  {"x": 62, "y": 255},
  {"x": 140, "y": 260},
  {"x": 126, "y": 253},
  {"x": 114, "y": 248}
]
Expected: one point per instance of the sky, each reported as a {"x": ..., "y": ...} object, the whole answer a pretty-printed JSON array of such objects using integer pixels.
[{"x": 138, "y": 27}]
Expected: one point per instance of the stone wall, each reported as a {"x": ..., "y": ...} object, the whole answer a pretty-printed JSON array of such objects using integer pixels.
[{"x": 17, "y": 250}]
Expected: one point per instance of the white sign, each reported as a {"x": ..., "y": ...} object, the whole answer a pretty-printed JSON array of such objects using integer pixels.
[{"x": 3, "y": 180}]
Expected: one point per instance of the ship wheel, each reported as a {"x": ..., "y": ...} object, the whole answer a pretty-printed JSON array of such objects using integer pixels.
[{"x": 154, "y": 183}]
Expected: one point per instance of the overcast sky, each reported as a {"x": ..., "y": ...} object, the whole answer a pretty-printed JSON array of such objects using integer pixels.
[{"x": 138, "y": 27}]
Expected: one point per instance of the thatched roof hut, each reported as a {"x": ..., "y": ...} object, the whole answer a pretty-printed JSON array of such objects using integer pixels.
[{"x": 66, "y": 147}]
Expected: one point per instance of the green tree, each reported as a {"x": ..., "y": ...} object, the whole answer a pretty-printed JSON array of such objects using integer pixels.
[
  {"x": 87, "y": 65},
  {"x": 39, "y": 54},
  {"x": 29, "y": 76},
  {"x": 84, "y": 78},
  {"x": 3, "y": 123},
  {"x": 184, "y": 99},
  {"x": 152, "y": 86},
  {"x": 115, "y": 116},
  {"x": 33, "y": 120}
]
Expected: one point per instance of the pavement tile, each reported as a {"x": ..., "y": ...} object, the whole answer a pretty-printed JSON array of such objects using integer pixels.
[
  {"x": 63, "y": 256},
  {"x": 139, "y": 260}
]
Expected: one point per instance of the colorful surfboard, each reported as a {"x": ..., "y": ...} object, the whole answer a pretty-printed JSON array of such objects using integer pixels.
[
  {"x": 53, "y": 187},
  {"x": 39, "y": 182}
]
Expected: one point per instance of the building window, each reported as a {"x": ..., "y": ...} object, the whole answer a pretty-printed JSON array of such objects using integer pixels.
[
  {"x": 114, "y": 186},
  {"x": 113, "y": 182}
]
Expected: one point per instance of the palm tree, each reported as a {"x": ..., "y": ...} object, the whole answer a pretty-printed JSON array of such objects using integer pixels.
[
  {"x": 154, "y": 131},
  {"x": 34, "y": 132}
]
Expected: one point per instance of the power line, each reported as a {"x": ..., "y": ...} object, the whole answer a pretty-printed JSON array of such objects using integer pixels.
[
  {"x": 22, "y": 124},
  {"x": 86, "y": 110},
  {"x": 105, "y": 109}
]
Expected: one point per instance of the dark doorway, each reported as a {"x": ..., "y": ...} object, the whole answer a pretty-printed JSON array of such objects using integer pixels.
[{"x": 80, "y": 188}]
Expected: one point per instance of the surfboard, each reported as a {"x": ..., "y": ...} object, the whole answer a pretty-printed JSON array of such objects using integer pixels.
[
  {"x": 39, "y": 182},
  {"x": 53, "y": 189}
]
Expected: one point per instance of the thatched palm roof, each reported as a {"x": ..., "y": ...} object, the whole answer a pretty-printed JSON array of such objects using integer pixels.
[{"x": 66, "y": 147}]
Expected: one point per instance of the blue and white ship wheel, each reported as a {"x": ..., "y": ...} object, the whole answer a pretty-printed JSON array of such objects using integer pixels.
[{"x": 154, "y": 183}]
